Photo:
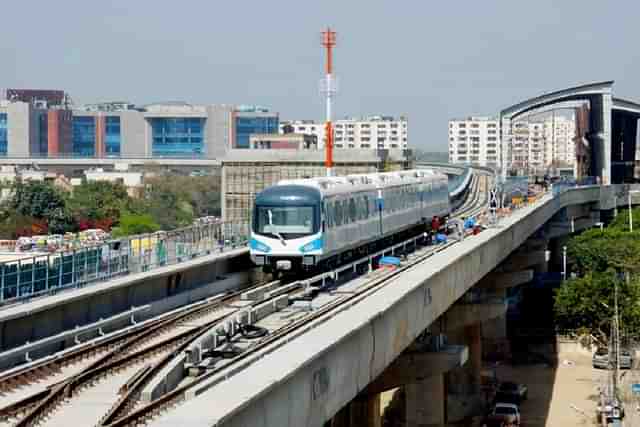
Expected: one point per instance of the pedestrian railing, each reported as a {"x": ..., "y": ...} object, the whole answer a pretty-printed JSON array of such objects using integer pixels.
[{"x": 32, "y": 275}]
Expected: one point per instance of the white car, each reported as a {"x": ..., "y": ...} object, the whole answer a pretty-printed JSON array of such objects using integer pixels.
[{"x": 507, "y": 409}]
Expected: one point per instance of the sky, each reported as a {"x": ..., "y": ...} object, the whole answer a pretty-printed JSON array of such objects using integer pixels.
[{"x": 428, "y": 60}]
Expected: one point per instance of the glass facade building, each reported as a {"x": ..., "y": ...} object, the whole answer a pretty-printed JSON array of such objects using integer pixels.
[
  {"x": 177, "y": 136},
  {"x": 245, "y": 126},
  {"x": 4, "y": 139},
  {"x": 84, "y": 136},
  {"x": 112, "y": 136}
]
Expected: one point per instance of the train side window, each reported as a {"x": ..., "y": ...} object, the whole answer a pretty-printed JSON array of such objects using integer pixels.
[
  {"x": 339, "y": 213},
  {"x": 365, "y": 200},
  {"x": 330, "y": 214},
  {"x": 352, "y": 210}
]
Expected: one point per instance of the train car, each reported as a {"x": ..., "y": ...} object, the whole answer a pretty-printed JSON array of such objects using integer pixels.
[{"x": 316, "y": 223}]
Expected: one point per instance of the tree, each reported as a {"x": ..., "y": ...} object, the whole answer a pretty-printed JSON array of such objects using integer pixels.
[
  {"x": 99, "y": 204},
  {"x": 131, "y": 224},
  {"x": 168, "y": 202},
  {"x": 588, "y": 302},
  {"x": 596, "y": 250},
  {"x": 41, "y": 201}
]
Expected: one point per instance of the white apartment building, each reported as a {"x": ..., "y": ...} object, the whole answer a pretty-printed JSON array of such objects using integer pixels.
[
  {"x": 533, "y": 145},
  {"x": 474, "y": 140},
  {"x": 560, "y": 134},
  {"x": 375, "y": 132}
]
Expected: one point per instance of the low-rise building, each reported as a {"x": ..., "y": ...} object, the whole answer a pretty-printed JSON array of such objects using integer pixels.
[
  {"x": 374, "y": 132},
  {"x": 276, "y": 141}
]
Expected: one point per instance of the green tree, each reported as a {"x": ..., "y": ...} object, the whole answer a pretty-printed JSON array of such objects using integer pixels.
[
  {"x": 621, "y": 222},
  {"x": 98, "y": 200},
  {"x": 42, "y": 201},
  {"x": 588, "y": 302},
  {"x": 167, "y": 201},
  {"x": 131, "y": 224},
  {"x": 596, "y": 251}
]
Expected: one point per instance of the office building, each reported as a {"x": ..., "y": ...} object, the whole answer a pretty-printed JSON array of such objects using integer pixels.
[
  {"x": 42, "y": 124},
  {"x": 375, "y": 132}
]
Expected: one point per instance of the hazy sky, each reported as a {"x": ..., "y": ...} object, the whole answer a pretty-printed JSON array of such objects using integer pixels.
[{"x": 430, "y": 60}]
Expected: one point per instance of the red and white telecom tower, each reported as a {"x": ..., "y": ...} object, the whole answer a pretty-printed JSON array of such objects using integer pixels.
[{"x": 328, "y": 87}]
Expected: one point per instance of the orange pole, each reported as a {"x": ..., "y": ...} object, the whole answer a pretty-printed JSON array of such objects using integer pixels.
[{"x": 329, "y": 148}]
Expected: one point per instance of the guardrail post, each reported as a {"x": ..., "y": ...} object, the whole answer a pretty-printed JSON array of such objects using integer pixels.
[
  {"x": 2, "y": 283},
  {"x": 33, "y": 275},
  {"x": 46, "y": 273},
  {"x": 18, "y": 279},
  {"x": 73, "y": 268},
  {"x": 60, "y": 258}
]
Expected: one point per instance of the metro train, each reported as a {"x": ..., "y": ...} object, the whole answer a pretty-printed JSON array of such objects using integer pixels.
[{"x": 318, "y": 223}]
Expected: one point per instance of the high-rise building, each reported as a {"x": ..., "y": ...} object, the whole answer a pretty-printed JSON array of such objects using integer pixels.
[
  {"x": 474, "y": 140},
  {"x": 375, "y": 132},
  {"x": 533, "y": 145}
]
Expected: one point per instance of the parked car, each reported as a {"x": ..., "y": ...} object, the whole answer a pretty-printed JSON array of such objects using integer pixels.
[
  {"x": 510, "y": 392},
  {"x": 626, "y": 359},
  {"x": 503, "y": 415},
  {"x": 601, "y": 358}
]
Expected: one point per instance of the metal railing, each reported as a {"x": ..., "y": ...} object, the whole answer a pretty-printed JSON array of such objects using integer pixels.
[
  {"x": 562, "y": 186},
  {"x": 29, "y": 275}
]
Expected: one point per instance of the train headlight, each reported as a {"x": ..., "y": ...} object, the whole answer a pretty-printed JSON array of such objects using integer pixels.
[
  {"x": 312, "y": 246},
  {"x": 259, "y": 246}
]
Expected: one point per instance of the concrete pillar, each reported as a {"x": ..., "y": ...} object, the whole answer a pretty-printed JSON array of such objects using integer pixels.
[
  {"x": 365, "y": 412},
  {"x": 426, "y": 402},
  {"x": 360, "y": 412},
  {"x": 474, "y": 365}
]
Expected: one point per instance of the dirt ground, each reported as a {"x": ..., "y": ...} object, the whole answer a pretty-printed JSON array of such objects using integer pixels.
[
  {"x": 562, "y": 396},
  {"x": 566, "y": 395}
]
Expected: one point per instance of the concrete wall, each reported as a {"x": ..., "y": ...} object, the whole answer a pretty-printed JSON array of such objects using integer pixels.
[
  {"x": 217, "y": 131},
  {"x": 18, "y": 129},
  {"x": 135, "y": 135},
  {"x": 165, "y": 292}
]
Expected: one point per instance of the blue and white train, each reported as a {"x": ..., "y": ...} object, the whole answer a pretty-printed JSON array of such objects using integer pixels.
[{"x": 320, "y": 222}]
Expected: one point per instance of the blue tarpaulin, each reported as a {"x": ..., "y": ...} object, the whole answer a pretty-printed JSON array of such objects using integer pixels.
[
  {"x": 389, "y": 260},
  {"x": 469, "y": 223},
  {"x": 441, "y": 238}
]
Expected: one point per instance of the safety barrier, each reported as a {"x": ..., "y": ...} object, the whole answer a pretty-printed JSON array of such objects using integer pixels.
[
  {"x": 562, "y": 186},
  {"x": 29, "y": 275}
]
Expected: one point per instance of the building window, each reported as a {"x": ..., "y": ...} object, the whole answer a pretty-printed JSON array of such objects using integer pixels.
[
  {"x": 3, "y": 134},
  {"x": 245, "y": 126},
  {"x": 475, "y": 125},
  {"x": 112, "y": 136},
  {"x": 84, "y": 136},
  {"x": 491, "y": 138},
  {"x": 178, "y": 136}
]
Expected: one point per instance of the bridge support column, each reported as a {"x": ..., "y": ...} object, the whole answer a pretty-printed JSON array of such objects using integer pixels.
[
  {"x": 426, "y": 402},
  {"x": 360, "y": 412}
]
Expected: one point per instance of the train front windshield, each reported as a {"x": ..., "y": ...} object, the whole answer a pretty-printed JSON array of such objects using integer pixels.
[{"x": 286, "y": 222}]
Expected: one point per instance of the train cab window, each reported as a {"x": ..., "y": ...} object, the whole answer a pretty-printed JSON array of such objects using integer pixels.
[{"x": 287, "y": 222}]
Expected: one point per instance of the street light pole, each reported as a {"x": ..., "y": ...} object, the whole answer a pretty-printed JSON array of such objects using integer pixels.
[
  {"x": 630, "y": 214},
  {"x": 564, "y": 263}
]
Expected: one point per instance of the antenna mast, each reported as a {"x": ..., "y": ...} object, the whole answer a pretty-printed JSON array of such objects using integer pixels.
[{"x": 328, "y": 87}]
